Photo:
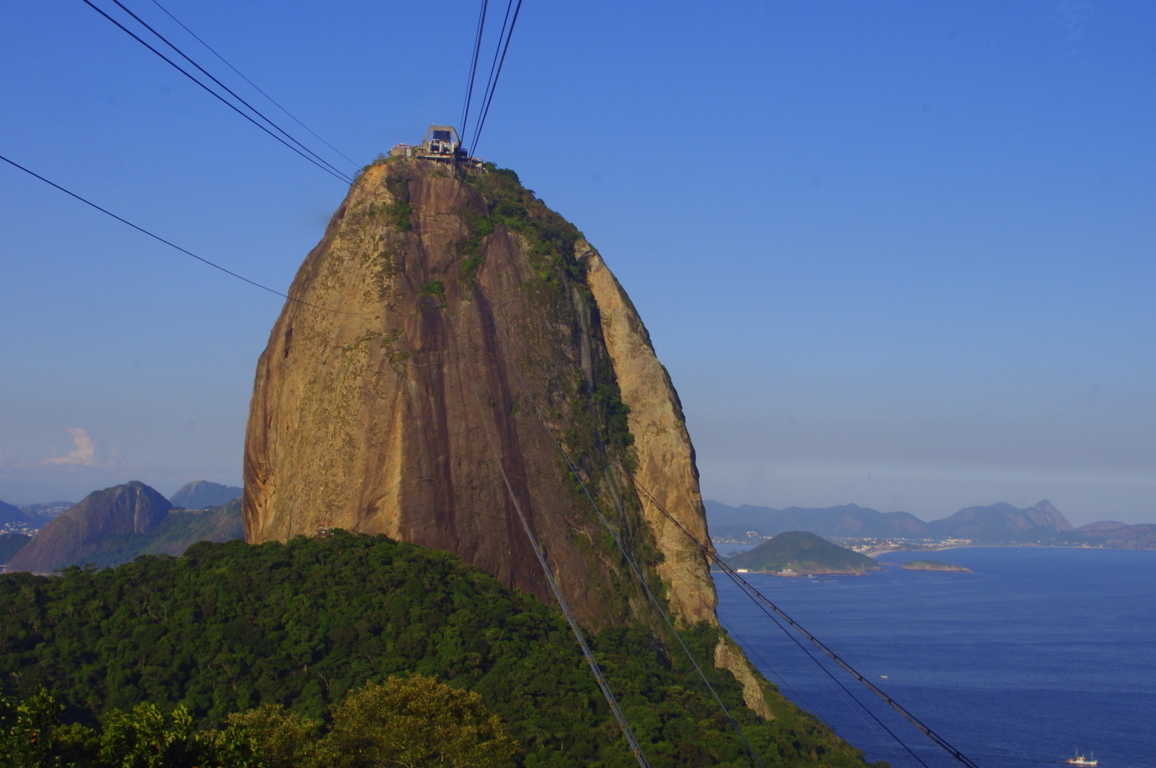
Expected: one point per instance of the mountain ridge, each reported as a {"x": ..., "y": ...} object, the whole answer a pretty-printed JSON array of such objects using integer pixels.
[{"x": 999, "y": 523}]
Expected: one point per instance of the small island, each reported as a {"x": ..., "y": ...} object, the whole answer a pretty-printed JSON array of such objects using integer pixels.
[
  {"x": 933, "y": 565},
  {"x": 799, "y": 553}
]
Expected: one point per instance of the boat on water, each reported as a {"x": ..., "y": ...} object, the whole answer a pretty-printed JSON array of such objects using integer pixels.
[{"x": 1087, "y": 762}]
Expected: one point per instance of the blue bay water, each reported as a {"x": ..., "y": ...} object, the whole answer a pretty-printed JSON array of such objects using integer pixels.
[{"x": 1036, "y": 653}]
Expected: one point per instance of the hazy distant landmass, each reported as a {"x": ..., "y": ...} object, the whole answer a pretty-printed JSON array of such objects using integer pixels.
[
  {"x": 1001, "y": 523},
  {"x": 847, "y": 521},
  {"x": 45, "y": 511},
  {"x": 801, "y": 553},
  {"x": 201, "y": 494},
  {"x": 1119, "y": 535},
  {"x": 117, "y": 525}
]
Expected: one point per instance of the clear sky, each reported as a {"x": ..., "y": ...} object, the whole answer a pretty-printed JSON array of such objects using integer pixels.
[{"x": 898, "y": 254}]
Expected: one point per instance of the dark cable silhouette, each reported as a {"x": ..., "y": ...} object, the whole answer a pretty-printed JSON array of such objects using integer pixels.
[
  {"x": 473, "y": 65},
  {"x": 171, "y": 244},
  {"x": 764, "y": 604},
  {"x": 496, "y": 75},
  {"x": 228, "y": 90},
  {"x": 250, "y": 82}
]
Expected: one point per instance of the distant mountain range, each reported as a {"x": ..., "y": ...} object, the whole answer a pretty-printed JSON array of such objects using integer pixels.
[
  {"x": 118, "y": 524},
  {"x": 995, "y": 524},
  {"x": 201, "y": 494}
]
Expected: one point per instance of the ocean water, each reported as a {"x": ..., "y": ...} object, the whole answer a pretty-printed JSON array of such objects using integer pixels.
[{"x": 1037, "y": 653}]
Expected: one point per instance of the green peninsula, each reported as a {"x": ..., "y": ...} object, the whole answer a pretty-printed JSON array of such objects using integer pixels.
[
  {"x": 933, "y": 565},
  {"x": 799, "y": 553}
]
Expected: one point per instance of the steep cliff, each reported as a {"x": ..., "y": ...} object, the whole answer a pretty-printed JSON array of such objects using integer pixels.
[
  {"x": 440, "y": 321},
  {"x": 90, "y": 531}
]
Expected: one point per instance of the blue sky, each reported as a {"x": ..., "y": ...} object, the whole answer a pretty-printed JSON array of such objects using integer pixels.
[{"x": 896, "y": 254}]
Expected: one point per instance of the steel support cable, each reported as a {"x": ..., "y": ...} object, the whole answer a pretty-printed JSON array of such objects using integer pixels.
[
  {"x": 336, "y": 174},
  {"x": 713, "y": 556},
  {"x": 832, "y": 677},
  {"x": 473, "y": 65},
  {"x": 250, "y": 82},
  {"x": 171, "y": 244},
  {"x": 494, "y": 65},
  {"x": 759, "y": 657},
  {"x": 760, "y": 598},
  {"x": 216, "y": 95},
  {"x": 595, "y": 668},
  {"x": 621, "y": 546},
  {"x": 230, "y": 91},
  {"x": 497, "y": 74}
]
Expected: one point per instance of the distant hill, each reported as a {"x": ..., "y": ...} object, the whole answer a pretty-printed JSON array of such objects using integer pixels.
[
  {"x": 182, "y": 529},
  {"x": 1002, "y": 523},
  {"x": 46, "y": 511},
  {"x": 201, "y": 494},
  {"x": 803, "y": 553},
  {"x": 101, "y": 522},
  {"x": 10, "y": 544},
  {"x": 1118, "y": 535},
  {"x": 10, "y": 515},
  {"x": 119, "y": 524},
  {"x": 847, "y": 521}
]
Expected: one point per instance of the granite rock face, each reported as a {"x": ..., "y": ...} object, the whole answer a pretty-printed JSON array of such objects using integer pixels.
[{"x": 447, "y": 337}]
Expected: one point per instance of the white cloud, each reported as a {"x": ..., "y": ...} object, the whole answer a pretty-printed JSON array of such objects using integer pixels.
[{"x": 84, "y": 454}]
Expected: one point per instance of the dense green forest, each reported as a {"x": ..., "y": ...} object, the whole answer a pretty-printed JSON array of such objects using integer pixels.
[{"x": 232, "y": 628}]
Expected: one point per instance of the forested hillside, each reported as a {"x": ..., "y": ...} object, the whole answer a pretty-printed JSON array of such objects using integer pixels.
[{"x": 230, "y": 627}]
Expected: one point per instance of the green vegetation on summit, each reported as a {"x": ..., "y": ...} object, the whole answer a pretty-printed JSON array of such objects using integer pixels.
[
  {"x": 803, "y": 553},
  {"x": 231, "y": 628}
]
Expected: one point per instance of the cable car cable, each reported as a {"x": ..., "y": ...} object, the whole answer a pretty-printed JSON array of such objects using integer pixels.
[
  {"x": 595, "y": 668},
  {"x": 171, "y": 244},
  {"x": 473, "y": 65},
  {"x": 228, "y": 90},
  {"x": 493, "y": 66},
  {"x": 250, "y": 82},
  {"x": 617, "y": 540},
  {"x": 760, "y": 600},
  {"x": 497, "y": 74},
  {"x": 755, "y": 594}
]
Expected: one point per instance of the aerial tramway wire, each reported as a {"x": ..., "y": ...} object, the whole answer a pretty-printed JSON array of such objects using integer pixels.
[
  {"x": 764, "y": 603},
  {"x": 473, "y": 65},
  {"x": 171, "y": 244},
  {"x": 493, "y": 66},
  {"x": 250, "y": 82},
  {"x": 595, "y": 668},
  {"x": 317, "y": 158},
  {"x": 761, "y": 599},
  {"x": 495, "y": 74},
  {"x": 216, "y": 95},
  {"x": 807, "y": 705},
  {"x": 622, "y": 547}
]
